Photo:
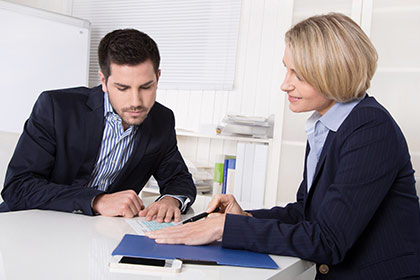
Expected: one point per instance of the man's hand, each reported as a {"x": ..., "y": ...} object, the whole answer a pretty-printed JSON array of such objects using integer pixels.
[
  {"x": 196, "y": 233},
  {"x": 125, "y": 204},
  {"x": 164, "y": 210}
]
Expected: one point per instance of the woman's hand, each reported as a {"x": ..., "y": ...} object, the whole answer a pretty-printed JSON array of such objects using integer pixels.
[
  {"x": 195, "y": 233},
  {"x": 204, "y": 231},
  {"x": 227, "y": 204}
]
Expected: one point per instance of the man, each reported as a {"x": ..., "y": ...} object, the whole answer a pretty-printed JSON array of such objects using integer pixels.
[{"x": 91, "y": 151}]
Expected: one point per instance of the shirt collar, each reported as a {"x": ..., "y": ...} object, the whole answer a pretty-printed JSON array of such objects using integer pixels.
[
  {"x": 107, "y": 105},
  {"x": 334, "y": 117}
]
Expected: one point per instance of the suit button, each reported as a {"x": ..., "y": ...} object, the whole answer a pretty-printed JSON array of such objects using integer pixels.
[{"x": 323, "y": 269}]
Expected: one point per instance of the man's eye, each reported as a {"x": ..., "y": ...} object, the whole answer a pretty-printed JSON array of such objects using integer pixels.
[
  {"x": 121, "y": 89},
  {"x": 146, "y": 87}
]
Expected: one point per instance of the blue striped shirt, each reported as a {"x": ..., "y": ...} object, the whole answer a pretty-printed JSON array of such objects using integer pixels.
[{"x": 117, "y": 146}]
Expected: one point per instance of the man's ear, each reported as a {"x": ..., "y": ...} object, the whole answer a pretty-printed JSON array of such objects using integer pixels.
[
  {"x": 158, "y": 75},
  {"x": 103, "y": 81}
]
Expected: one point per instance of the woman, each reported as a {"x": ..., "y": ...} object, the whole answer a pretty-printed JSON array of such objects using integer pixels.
[{"x": 357, "y": 212}]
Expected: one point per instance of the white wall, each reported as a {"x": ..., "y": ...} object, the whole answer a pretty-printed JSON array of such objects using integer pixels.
[
  {"x": 8, "y": 140},
  {"x": 393, "y": 28},
  {"x": 259, "y": 73},
  {"x": 394, "y": 31},
  {"x": 57, "y": 6},
  {"x": 392, "y": 25},
  {"x": 41, "y": 50}
]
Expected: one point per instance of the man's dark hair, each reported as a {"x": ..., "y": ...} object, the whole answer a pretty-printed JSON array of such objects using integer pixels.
[{"x": 127, "y": 47}]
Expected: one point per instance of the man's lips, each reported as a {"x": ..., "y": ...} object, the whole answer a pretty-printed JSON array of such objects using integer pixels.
[{"x": 136, "y": 113}]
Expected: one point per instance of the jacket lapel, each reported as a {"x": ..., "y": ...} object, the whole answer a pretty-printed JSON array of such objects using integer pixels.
[
  {"x": 93, "y": 129},
  {"x": 308, "y": 149},
  {"x": 321, "y": 160}
]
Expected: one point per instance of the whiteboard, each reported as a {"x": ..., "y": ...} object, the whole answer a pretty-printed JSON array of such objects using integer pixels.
[{"x": 39, "y": 50}]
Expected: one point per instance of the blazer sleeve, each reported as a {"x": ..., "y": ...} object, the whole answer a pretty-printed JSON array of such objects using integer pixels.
[
  {"x": 27, "y": 184},
  {"x": 292, "y": 213},
  {"x": 172, "y": 174},
  {"x": 367, "y": 164}
]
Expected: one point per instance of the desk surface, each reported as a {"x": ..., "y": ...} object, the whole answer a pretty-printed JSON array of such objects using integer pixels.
[{"x": 38, "y": 244}]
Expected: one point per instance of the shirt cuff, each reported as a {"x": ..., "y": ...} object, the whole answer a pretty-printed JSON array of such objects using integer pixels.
[
  {"x": 91, "y": 205},
  {"x": 184, "y": 200}
]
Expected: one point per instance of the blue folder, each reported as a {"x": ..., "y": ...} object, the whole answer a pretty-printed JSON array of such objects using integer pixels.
[{"x": 143, "y": 247}]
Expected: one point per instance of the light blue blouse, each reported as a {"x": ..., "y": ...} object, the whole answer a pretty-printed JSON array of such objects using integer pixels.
[{"x": 317, "y": 128}]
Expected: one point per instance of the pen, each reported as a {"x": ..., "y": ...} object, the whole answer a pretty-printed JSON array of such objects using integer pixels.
[{"x": 200, "y": 216}]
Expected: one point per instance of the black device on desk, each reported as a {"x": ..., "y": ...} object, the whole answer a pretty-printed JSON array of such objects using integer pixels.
[
  {"x": 124, "y": 263},
  {"x": 155, "y": 262}
]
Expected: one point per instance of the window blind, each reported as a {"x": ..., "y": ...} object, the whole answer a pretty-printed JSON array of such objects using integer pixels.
[{"x": 197, "y": 39}]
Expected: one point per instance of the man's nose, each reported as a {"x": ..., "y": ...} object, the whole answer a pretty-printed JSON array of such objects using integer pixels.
[{"x": 135, "y": 98}]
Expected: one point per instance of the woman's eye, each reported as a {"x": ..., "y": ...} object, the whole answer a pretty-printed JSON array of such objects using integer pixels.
[{"x": 297, "y": 76}]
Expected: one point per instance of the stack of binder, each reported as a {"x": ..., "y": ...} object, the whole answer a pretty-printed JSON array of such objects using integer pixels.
[
  {"x": 224, "y": 174},
  {"x": 243, "y": 175},
  {"x": 257, "y": 127},
  {"x": 250, "y": 175},
  {"x": 202, "y": 178}
]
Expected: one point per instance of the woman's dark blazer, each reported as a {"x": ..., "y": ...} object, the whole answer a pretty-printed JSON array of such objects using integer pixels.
[{"x": 360, "y": 219}]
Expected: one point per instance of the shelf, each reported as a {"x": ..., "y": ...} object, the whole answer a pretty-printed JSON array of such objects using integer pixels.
[
  {"x": 181, "y": 132},
  {"x": 156, "y": 191}
]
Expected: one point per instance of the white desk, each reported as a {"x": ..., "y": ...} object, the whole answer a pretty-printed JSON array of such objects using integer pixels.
[{"x": 38, "y": 244}]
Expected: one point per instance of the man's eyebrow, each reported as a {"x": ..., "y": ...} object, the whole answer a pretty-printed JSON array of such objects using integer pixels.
[
  {"x": 121, "y": 85},
  {"x": 127, "y": 86},
  {"x": 146, "y": 84}
]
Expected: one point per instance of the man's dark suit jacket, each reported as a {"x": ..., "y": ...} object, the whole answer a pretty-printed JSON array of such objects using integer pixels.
[
  {"x": 360, "y": 218},
  {"x": 61, "y": 141}
]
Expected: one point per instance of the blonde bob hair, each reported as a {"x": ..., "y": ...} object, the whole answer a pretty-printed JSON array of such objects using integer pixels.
[{"x": 333, "y": 54}]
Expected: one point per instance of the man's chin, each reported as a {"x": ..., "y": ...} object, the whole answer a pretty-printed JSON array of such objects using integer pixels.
[{"x": 134, "y": 121}]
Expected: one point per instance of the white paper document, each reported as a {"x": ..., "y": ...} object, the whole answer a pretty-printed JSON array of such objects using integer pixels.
[{"x": 141, "y": 226}]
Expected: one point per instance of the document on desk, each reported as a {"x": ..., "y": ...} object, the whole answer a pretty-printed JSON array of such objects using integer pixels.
[
  {"x": 143, "y": 247},
  {"x": 142, "y": 226}
]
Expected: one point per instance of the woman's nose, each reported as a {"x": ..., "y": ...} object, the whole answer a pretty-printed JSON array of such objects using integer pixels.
[{"x": 286, "y": 86}]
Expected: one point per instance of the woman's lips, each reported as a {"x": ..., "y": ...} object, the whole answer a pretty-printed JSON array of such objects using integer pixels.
[{"x": 293, "y": 98}]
